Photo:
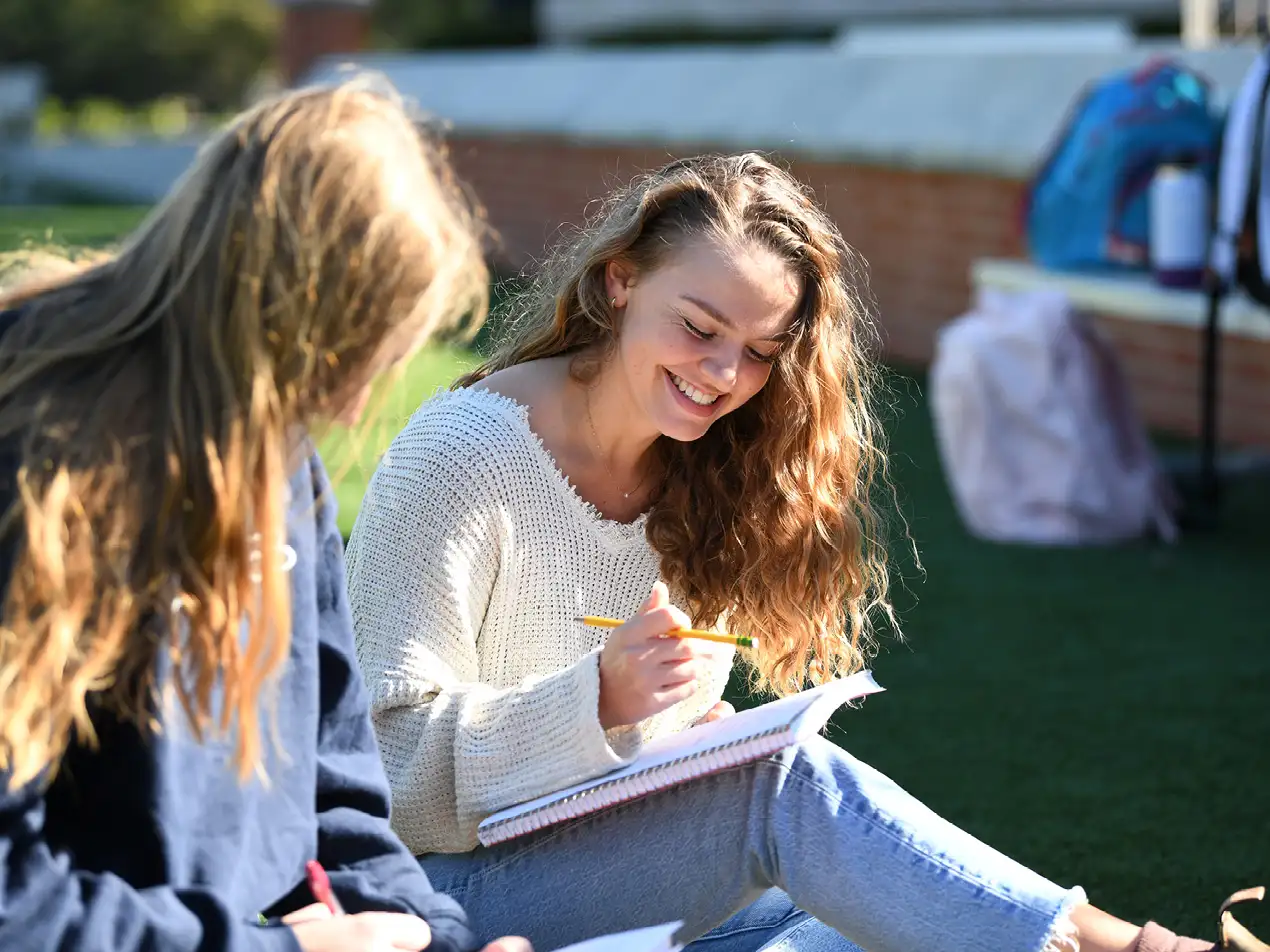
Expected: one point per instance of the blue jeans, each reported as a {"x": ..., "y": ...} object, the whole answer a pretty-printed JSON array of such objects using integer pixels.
[{"x": 806, "y": 850}]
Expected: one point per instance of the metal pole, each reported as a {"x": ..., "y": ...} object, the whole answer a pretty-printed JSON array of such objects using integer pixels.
[
  {"x": 1209, "y": 396},
  {"x": 1199, "y": 23}
]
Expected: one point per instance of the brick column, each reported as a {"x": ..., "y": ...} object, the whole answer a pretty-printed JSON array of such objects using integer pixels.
[{"x": 312, "y": 29}]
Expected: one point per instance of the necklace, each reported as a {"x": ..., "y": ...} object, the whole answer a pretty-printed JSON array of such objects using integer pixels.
[{"x": 603, "y": 458}]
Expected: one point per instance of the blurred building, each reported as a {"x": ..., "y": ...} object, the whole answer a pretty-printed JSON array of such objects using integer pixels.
[
  {"x": 918, "y": 123},
  {"x": 582, "y": 20}
]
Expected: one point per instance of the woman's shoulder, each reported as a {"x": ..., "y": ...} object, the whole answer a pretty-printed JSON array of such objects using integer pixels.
[
  {"x": 531, "y": 384},
  {"x": 469, "y": 444},
  {"x": 493, "y": 417},
  {"x": 464, "y": 422},
  {"x": 463, "y": 444}
]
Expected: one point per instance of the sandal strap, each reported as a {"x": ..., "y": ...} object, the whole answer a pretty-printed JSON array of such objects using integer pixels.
[{"x": 1234, "y": 936}]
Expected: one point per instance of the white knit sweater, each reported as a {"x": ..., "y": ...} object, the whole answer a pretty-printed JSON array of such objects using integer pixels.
[{"x": 471, "y": 558}]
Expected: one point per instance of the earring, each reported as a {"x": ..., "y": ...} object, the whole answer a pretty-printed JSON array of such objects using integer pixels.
[{"x": 613, "y": 301}]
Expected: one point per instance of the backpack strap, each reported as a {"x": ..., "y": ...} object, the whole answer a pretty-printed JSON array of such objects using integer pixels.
[{"x": 1152, "y": 68}]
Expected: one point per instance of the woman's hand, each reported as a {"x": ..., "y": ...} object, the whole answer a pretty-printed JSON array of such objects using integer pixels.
[
  {"x": 313, "y": 911},
  {"x": 375, "y": 928},
  {"x": 509, "y": 943},
  {"x": 717, "y": 713},
  {"x": 642, "y": 672},
  {"x": 364, "y": 932}
]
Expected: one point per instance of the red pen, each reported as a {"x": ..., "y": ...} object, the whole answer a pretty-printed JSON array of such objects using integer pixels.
[{"x": 320, "y": 884}]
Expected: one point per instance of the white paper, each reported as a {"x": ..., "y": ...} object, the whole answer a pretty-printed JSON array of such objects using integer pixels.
[{"x": 652, "y": 939}]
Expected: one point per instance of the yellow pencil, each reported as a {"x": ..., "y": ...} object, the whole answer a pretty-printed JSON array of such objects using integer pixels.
[{"x": 741, "y": 641}]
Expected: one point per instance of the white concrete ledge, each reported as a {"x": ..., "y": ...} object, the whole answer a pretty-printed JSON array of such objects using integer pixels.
[
  {"x": 139, "y": 172},
  {"x": 1131, "y": 296}
]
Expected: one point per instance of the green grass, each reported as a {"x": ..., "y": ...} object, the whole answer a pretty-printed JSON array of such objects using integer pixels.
[
  {"x": 351, "y": 456},
  {"x": 1102, "y": 715},
  {"x": 62, "y": 226}
]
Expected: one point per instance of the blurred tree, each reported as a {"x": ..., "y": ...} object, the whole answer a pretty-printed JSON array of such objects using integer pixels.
[
  {"x": 432, "y": 24},
  {"x": 135, "y": 51}
]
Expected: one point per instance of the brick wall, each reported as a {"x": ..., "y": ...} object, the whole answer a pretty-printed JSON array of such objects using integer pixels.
[
  {"x": 919, "y": 232},
  {"x": 313, "y": 29}
]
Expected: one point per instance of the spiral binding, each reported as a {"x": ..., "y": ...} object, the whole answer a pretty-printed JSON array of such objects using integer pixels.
[{"x": 640, "y": 784}]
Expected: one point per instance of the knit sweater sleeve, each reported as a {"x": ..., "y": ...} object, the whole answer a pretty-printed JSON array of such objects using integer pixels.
[{"x": 424, "y": 562}]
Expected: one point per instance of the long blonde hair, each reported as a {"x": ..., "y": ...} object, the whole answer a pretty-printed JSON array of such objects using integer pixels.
[
  {"x": 768, "y": 517},
  {"x": 159, "y": 398}
]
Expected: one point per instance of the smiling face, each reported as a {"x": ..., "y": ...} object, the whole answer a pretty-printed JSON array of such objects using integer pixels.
[{"x": 699, "y": 333}]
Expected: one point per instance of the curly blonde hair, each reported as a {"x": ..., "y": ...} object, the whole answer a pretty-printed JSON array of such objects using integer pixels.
[
  {"x": 768, "y": 518},
  {"x": 157, "y": 401}
]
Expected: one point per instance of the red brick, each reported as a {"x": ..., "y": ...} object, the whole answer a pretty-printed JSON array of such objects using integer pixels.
[{"x": 312, "y": 30}]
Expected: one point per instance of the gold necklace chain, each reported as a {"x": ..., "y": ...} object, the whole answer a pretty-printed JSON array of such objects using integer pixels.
[{"x": 599, "y": 448}]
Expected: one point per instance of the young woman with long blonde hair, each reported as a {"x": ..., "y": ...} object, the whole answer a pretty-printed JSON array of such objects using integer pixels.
[
  {"x": 182, "y": 722},
  {"x": 677, "y": 431}
]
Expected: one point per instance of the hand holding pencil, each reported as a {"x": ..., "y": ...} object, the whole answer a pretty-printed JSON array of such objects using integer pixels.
[
  {"x": 642, "y": 670},
  {"x": 718, "y": 637}
]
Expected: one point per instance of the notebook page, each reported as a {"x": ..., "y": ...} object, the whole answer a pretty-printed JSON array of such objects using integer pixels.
[
  {"x": 653, "y": 939},
  {"x": 800, "y": 714}
]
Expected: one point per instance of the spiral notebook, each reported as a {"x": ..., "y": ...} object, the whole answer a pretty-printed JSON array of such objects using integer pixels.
[{"x": 705, "y": 749}]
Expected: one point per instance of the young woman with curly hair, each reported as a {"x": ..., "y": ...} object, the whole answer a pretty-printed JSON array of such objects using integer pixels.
[{"x": 678, "y": 430}]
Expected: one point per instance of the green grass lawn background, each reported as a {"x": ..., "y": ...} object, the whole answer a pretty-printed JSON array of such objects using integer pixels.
[{"x": 1103, "y": 715}]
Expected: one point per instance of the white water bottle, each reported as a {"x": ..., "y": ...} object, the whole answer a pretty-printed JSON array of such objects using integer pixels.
[{"x": 1179, "y": 228}]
